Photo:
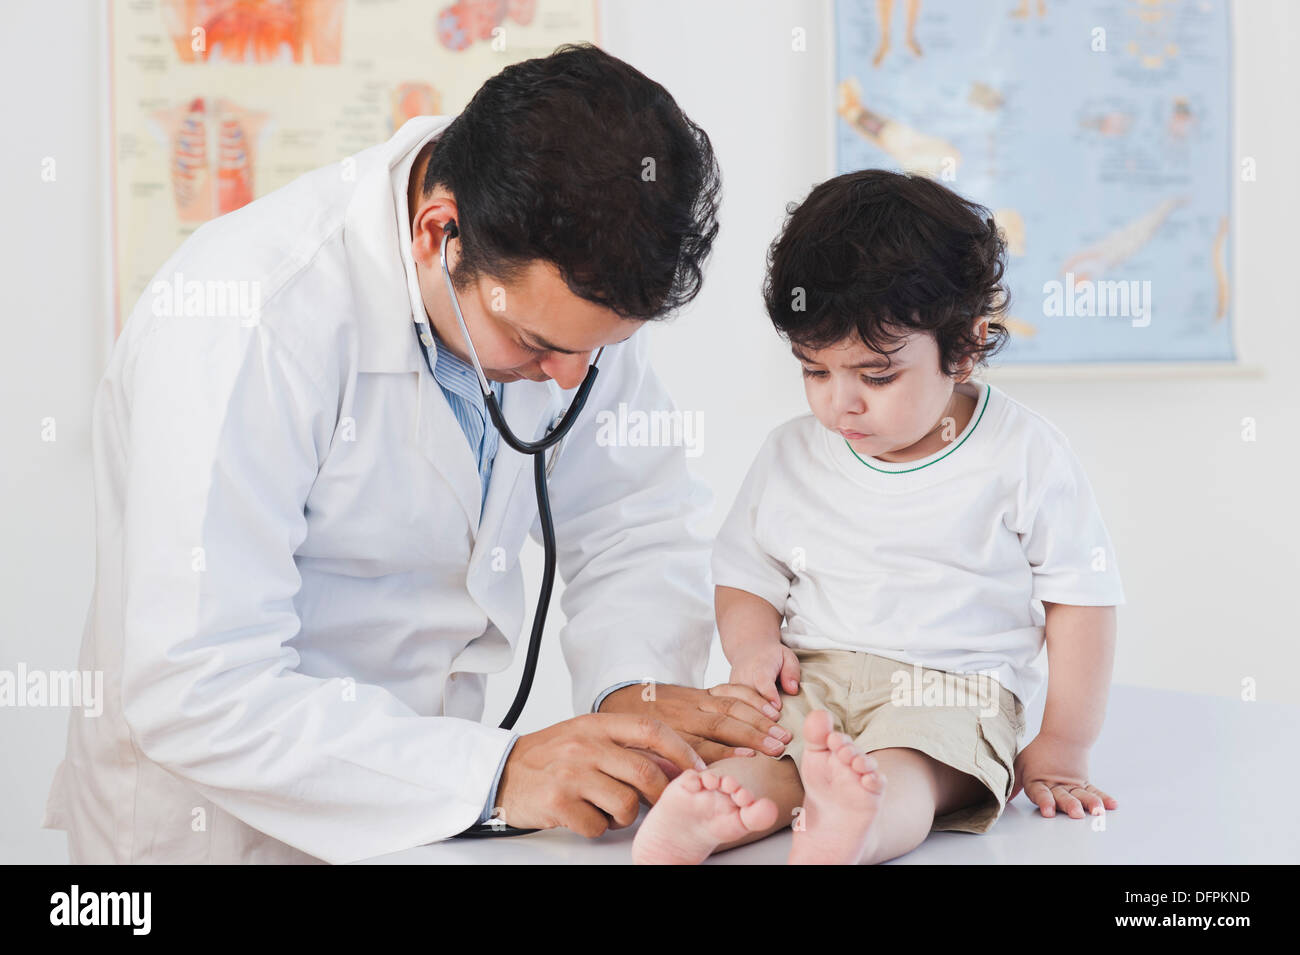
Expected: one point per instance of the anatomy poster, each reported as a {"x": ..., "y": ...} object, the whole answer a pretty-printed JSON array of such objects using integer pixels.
[
  {"x": 217, "y": 102},
  {"x": 1098, "y": 132}
]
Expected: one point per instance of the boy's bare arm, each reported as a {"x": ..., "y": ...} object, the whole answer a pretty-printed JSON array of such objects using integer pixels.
[
  {"x": 1053, "y": 769},
  {"x": 744, "y": 619},
  {"x": 750, "y": 630},
  {"x": 1080, "y": 657}
]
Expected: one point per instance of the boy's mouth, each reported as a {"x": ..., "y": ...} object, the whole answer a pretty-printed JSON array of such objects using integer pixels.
[{"x": 853, "y": 435}]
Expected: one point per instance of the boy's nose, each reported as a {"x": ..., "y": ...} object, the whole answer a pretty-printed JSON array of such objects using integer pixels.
[{"x": 849, "y": 400}]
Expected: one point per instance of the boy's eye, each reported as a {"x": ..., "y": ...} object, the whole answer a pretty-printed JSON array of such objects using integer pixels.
[{"x": 868, "y": 379}]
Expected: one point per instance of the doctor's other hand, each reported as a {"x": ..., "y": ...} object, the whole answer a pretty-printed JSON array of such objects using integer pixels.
[
  {"x": 588, "y": 774},
  {"x": 720, "y": 722}
]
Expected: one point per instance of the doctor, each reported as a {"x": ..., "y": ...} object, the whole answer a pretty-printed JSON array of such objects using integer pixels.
[{"x": 307, "y": 544}]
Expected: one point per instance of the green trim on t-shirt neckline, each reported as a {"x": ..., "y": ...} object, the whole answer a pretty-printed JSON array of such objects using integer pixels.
[{"x": 984, "y": 404}]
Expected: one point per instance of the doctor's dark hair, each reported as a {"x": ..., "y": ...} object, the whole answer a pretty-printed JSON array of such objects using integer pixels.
[
  {"x": 882, "y": 255},
  {"x": 551, "y": 161}
]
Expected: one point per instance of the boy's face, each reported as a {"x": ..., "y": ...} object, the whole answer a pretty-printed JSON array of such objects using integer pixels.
[{"x": 881, "y": 404}]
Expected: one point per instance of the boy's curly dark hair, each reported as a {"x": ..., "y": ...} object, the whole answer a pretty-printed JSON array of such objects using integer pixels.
[
  {"x": 547, "y": 163},
  {"x": 884, "y": 255}
]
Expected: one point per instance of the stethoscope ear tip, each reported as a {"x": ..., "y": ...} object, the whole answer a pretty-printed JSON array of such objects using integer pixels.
[{"x": 451, "y": 229}]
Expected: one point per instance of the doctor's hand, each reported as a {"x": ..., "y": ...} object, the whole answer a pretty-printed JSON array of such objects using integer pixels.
[
  {"x": 589, "y": 774},
  {"x": 720, "y": 722}
]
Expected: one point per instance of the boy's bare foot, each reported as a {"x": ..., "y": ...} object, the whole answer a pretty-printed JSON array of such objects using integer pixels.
[
  {"x": 696, "y": 814},
  {"x": 842, "y": 790}
]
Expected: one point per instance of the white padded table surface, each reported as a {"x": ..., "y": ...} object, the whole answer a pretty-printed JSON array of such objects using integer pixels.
[{"x": 1199, "y": 780}]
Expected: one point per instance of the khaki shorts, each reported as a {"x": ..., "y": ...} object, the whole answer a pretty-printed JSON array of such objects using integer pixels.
[{"x": 966, "y": 721}]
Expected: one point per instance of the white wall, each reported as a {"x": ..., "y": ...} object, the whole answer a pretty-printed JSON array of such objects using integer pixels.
[
  {"x": 52, "y": 268},
  {"x": 1205, "y": 525}
]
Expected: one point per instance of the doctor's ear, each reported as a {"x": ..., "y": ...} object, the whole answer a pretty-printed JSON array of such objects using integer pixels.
[{"x": 427, "y": 231}]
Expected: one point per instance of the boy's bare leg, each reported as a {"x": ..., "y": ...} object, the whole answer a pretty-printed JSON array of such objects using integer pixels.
[
  {"x": 732, "y": 802},
  {"x": 861, "y": 807},
  {"x": 919, "y": 789}
]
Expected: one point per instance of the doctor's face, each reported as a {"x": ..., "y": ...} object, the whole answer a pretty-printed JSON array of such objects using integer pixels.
[
  {"x": 533, "y": 327},
  {"x": 885, "y": 406}
]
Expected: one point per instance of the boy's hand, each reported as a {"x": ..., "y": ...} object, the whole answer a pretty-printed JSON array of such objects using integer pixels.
[
  {"x": 1054, "y": 773},
  {"x": 762, "y": 666}
]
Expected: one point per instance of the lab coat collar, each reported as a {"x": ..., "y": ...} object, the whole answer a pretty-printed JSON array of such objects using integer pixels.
[
  {"x": 379, "y": 245},
  {"x": 385, "y": 341}
]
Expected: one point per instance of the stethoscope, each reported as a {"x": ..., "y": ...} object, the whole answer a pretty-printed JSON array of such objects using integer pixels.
[{"x": 555, "y": 434}]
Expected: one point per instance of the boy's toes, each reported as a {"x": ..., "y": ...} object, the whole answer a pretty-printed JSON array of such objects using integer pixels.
[
  {"x": 759, "y": 814},
  {"x": 817, "y": 729},
  {"x": 869, "y": 771},
  {"x": 848, "y": 753},
  {"x": 755, "y": 814},
  {"x": 697, "y": 812},
  {"x": 741, "y": 796},
  {"x": 690, "y": 781}
]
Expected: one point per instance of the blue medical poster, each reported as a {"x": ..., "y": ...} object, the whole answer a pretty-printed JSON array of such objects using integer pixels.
[{"x": 1099, "y": 134}]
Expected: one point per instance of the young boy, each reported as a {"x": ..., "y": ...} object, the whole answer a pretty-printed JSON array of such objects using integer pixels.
[{"x": 895, "y": 560}]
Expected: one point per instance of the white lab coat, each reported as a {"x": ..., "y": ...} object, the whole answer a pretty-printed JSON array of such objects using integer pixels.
[{"x": 296, "y": 603}]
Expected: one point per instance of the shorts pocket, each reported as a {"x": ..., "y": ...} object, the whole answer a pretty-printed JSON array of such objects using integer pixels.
[{"x": 996, "y": 752}]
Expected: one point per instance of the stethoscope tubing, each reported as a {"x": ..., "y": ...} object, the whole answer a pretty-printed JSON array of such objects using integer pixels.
[{"x": 541, "y": 469}]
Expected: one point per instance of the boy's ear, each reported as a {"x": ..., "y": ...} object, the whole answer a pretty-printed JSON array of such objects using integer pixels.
[{"x": 968, "y": 366}]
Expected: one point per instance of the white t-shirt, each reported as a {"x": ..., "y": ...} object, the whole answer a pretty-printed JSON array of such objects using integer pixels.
[{"x": 943, "y": 561}]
